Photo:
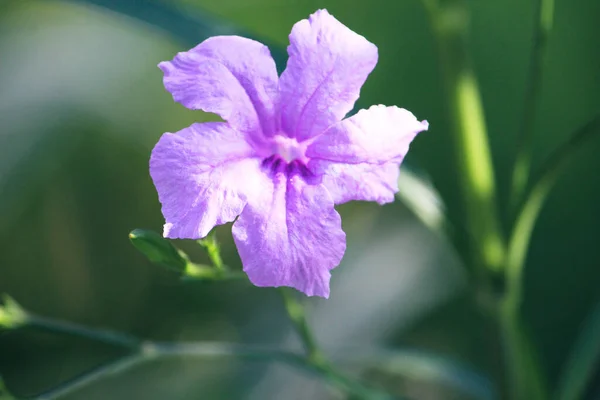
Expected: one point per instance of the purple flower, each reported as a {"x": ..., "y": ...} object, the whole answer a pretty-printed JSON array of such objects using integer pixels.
[{"x": 285, "y": 156}]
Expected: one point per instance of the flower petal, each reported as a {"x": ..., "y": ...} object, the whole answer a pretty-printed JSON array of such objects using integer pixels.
[
  {"x": 291, "y": 236},
  {"x": 203, "y": 174},
  {"x": 328, "y": 63},
  {"x": 368, "y": 182},
  {"x": 360, "y": 156},
  {"x": 231, "y": 76}
]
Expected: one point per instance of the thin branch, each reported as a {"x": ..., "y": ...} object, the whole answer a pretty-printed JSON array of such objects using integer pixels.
[
  {"x": 297, "y": 316},
  {"x": 78, "y": 383},
  {"x": 148, "y": 351},
  {"x": 69, "y": 328},
  {"x": 143, "y": 351},
  {"x": 422, "y": 366},
  {"x": 316, "y": 358}
]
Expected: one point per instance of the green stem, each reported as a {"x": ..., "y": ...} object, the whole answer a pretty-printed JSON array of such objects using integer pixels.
[
  {"x": 527, "y": 376},
  {"x": 544, "y": 12},
  {"x": 581, "y": 365},
  {"x": 450, "y": 24},
  {"x": 211, "y": 245},
  {"x": 296, "y": 313},
  {"x": 142, "y": 351},
  {"x": 147, "y": 351},
  {"x": 90, "y": 377},
  {"x": 531, "y": 207},
  {"x": 70, "y": 328},
  {"x": 197, "y": 272},
  {"x": 316, "y": 358},
  {"x": 450, "y": 21}
]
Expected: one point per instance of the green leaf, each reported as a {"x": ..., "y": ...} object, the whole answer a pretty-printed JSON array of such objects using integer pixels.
[
  {"x": 583, "y": 360},
  {"x": 419, "y": 195},
  {"x": 158, "y": 250},
  {"x": 12, "y": 315},
  {"x": 4, "y": 393},
  {"x": 190, "y": 27}
]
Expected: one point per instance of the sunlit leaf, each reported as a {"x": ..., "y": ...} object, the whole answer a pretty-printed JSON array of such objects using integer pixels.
[
  {"x": 419, "y": 195},
  {"x": 12, "y": 315}
]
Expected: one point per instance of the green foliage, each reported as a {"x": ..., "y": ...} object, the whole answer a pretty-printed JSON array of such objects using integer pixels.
[
  {"x": 12, "y": 315},
  {"x": 4, "y": 393},
  {"x": 72, "y": 169},
  {"x": 583, "y": 360},
  {"x": 211, "y": 246},
  {"x": 161, "y": 251},
  {"x": 158, "y": 250}
]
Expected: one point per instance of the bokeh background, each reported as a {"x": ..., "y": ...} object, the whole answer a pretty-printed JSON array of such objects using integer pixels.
[{"x": 82, "y": 104}]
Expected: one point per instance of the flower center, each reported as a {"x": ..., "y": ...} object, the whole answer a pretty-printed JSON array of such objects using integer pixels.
[
  {"x": 289, "y": 149},
  {"x": 287, "y": 156}
]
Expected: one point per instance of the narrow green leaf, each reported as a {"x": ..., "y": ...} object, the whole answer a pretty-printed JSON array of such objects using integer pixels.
[
  {"x": 583, "y": 360},
  {"x": 518, "y": 246}
]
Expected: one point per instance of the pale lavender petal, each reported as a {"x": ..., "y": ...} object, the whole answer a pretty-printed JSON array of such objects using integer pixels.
[
  {"x": 328, "y": 64},
  {"x": 360, "y": 156},
  {"x": 291, "y": 236},
  {"x": 231, "y": 76},
  {"x": 368, "y": 182},
  {"x": 204, "y": 175}
]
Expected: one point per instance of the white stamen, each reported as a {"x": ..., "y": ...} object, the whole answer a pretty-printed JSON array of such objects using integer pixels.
[{"x": 289, "y": 149}]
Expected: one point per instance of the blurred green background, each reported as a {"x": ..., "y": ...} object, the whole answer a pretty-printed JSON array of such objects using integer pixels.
[{"x": 82, "y": 104}]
